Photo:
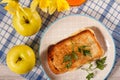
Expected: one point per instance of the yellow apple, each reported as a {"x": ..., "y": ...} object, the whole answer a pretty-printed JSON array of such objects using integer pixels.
[
  {"x": 20, "y": 59},
  {"x": 26, "y": 21}
]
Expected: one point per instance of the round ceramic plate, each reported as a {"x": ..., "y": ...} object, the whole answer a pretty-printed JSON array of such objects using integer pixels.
[{"x": 65, "y": 27}]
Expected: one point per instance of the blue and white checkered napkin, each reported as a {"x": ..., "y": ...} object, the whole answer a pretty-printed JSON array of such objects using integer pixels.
[{"x": 106, "y": 11}]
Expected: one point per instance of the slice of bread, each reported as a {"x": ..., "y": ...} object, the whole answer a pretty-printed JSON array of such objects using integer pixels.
[{"x": 74, "y": 51}]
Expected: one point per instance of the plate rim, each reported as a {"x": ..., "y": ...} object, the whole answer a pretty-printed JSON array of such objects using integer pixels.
[{"x": 57, "y": 20}]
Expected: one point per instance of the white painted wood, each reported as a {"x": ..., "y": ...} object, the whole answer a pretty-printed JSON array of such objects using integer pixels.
[
  {"x": 6, "y": 74},
  {"x": 115, "y": 75}
]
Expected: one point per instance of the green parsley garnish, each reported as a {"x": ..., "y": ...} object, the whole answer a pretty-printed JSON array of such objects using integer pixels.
[
  {"x": 69, "y": 64},
  {"x": 83, "y": 49},
  {"x": 89, "y": 76},
  {"x": 67, "y": 58},
  {"x": 101, "y": 63},
  {"x": 74, "y": 55},
  {"x": 90, "y": 67},
  {"x": 86, "y": 52}
]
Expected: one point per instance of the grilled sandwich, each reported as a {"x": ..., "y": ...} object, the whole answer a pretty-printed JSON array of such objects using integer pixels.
[{"x": 74, "y": 51}]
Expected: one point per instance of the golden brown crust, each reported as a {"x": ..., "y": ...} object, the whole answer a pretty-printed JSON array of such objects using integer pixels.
[{"x": 57, "y": 51}]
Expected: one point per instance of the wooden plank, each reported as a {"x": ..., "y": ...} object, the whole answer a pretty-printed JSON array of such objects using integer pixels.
[{"x": 6, "y": 74}]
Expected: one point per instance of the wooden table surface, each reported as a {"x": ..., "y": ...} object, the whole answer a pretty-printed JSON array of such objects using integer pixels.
[{"x": 6, "y": 74}]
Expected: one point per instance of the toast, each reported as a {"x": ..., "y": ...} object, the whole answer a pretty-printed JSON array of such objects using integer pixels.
[{"x": 74, "y": 51}]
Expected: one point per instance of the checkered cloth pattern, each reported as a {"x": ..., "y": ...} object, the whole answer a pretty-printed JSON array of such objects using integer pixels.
[{"x": 105, "y": 11}]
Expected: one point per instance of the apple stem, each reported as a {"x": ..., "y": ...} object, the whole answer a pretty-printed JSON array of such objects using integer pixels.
[
  {"x": 26, "y": 20},
  {"x": 19, "y": 59}
]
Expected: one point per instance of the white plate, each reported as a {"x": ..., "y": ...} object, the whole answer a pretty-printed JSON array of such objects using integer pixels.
[{"x": 65, "y": 27}]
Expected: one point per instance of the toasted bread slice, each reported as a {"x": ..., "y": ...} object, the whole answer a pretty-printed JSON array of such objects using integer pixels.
[{"x": 74, "y": 51}]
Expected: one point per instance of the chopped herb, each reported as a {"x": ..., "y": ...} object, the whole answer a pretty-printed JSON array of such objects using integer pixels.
[
  {"x": 86, "y": 52},
  {"x": 83, "y": 46},
  {"x": 67, "y": 58},
  {"x": 79, "y": 49},
  {"x": 90, "y": 66},
  {"x": 89, "y": 76},
  {"x": 69, "y": 65},
  {"x": 74, "y": 55},
  {"x": 101, "y": 63}
]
